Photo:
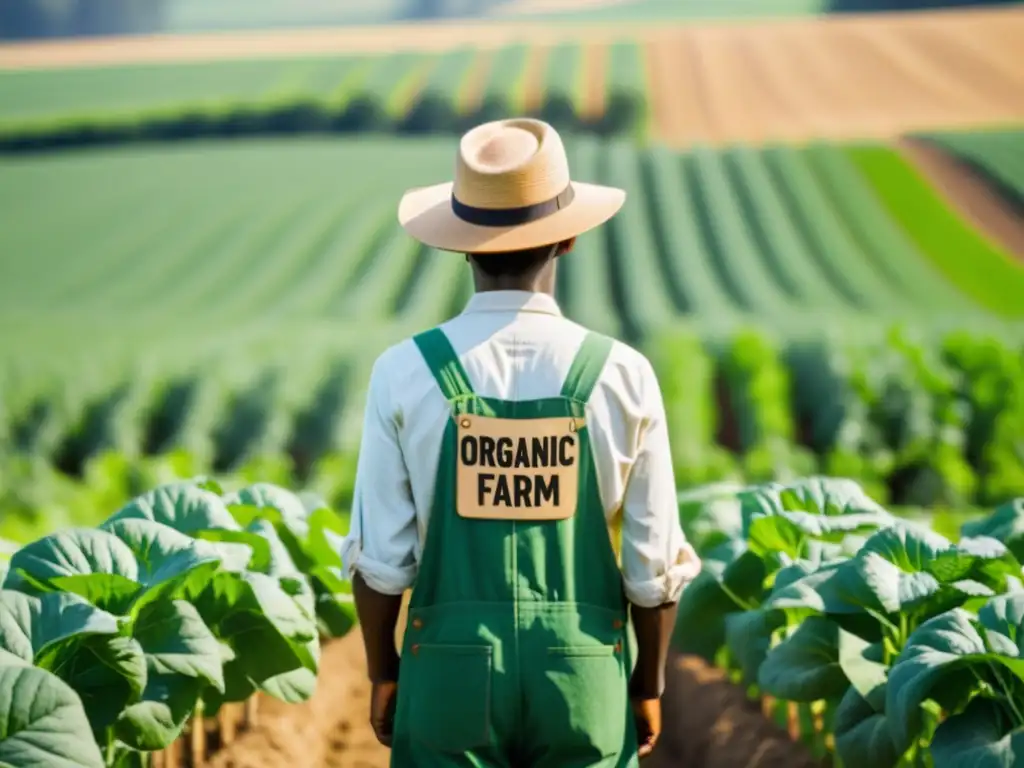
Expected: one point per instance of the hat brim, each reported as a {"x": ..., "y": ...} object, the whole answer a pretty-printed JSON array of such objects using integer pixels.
[{"x": 426, "y": 214}]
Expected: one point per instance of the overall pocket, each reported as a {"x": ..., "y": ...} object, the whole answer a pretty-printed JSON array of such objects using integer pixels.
[
  {"x": 586, "y": 707},
  {"x": 450, "y": 699}
]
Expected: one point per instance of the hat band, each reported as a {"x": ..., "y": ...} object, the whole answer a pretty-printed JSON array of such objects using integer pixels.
[{"x": 512, "y": 217}]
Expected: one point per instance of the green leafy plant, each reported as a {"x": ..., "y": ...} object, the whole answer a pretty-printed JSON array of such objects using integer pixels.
[{"x": 185, "y": 598}]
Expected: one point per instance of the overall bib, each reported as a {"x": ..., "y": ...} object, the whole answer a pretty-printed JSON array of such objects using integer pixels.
[{"x": 516, "y": 652}]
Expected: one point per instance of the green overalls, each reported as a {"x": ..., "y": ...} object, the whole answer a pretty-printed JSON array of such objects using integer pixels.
[{"x": 516, "y": 651}]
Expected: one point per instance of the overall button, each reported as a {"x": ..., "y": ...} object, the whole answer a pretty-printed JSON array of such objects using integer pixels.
[
  {"x": 415, "y": 649},
  {"x": 617, "y": 624},
  {"x": 417, "y": 623}
]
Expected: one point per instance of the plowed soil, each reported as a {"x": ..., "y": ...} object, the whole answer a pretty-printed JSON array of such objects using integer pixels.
[
  {"x": 967, "y": 192},
  {"x": 838, "y": 78},
  {"x": 871, "y": 76},
  {"x": 708, "y": 723}
]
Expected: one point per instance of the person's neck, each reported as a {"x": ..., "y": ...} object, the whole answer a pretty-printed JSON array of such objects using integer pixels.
[{"x": 538, "y": 284}]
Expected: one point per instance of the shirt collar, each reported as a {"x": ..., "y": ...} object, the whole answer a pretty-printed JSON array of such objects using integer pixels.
[{"x": 513, "y": 301}]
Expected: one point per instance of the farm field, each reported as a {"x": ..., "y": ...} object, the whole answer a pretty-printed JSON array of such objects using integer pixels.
[
  {"x": 833, "y": 556},
  {"x": 824, "y": 271},
  {"x": 850, "y": 77},
  {"x": 235, "y": 358}
]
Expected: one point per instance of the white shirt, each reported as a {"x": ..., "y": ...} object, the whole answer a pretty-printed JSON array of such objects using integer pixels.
[{"x": 516, "y": 346}]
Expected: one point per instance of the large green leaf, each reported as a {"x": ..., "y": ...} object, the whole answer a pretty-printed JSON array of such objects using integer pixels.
[
  {"x": 862, "y": 735},
  {"x": 864, "y": 666},
  {"x": 182, "y": 657},
  {"x": 1006, "y": 524},
  {"x": 43, "y": 722},
  {"x": 120, "y": 568},
  {"x": 264, "y": 496},
  {"x": 749, "y": 636},
  {"x": 900, "y": 575},
  {"x": 312, "y": 536},
  {"x": 731, "y": 579},
  {"x": 30, "y": 625},
  {"x": 81, "y": 644},
  {"x": 949, "y": 657},
  {"x": 982, "y": 736},
  {"x": 298, "y": 685},
  {"x": 827, "y": 496},
  {"x": 805, "y": 666},
  {"x": 267, "y": 622},
  {"x": 711, "y": 515},
  {"x": 183, "y": 506}
]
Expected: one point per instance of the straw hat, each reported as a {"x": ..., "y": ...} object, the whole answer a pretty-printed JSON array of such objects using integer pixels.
[{"x": 512, "y": 191}]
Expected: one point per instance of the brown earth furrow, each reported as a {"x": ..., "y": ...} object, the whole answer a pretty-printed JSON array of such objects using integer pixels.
[
  {"x": 667, "y": 86},
  {"x": 694, "y": 93},
  {"x": 331, "y": 730},
  {"x": 767, "y": 105},
  {"x": 732, "y": 101},
  {"x": 595, "y": 79},
  {"x": 991, "y": 89},
  {"x": 710, "y": 723},
  {"x": 796, "y": 114},
  {"x": 472, "y": 92},
  {"x": 531, "y": 93},
  {"x": 934, "y": 81},
  {"x": 879, "y": 98},
  {"x": 969, "y": 193},
  {"x": 814, "y": 94}
]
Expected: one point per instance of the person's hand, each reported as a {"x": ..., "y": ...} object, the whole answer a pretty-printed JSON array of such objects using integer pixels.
[
  {"x": 383, "y": 698},
  {"x": 647, "y": 714}
]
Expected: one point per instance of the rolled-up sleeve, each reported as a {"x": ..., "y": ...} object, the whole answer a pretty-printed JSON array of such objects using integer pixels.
[
  {"x": 382, "y": 539},
  {"x": 657, "y": 560}
]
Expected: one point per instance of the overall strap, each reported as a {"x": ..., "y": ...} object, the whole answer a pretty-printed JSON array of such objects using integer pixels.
[
  {"x": 587, "y": 366},
  {"x": 444, "y": 364}
]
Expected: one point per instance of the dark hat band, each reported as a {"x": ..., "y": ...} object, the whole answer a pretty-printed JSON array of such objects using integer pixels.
[{"x": 512, "y": 217}]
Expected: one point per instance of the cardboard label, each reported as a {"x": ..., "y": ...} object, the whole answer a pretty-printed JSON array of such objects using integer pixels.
[{"x": 517, "y": 469}]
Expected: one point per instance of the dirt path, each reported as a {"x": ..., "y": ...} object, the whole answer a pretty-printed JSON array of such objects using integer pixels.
[
  {"x": 724, "y": 730},
  {"x": 709, "y": 723},
  {"x": 331, "y": 730},
  {"x": 969, "y": 193}
]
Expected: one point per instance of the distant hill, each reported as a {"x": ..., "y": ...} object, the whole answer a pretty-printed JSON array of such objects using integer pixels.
[{"x": 33, "y": 19}]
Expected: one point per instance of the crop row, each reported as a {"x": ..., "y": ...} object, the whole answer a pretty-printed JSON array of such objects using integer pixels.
[
  {"x": 895, "y": 646},
  {"x": 403, "y": 93},
  {"x": 917, "y": 423},
  {"x": 795, "y": 236},
  {"x": 185, "y": 599},
  {"x": 995, "y": 153}
]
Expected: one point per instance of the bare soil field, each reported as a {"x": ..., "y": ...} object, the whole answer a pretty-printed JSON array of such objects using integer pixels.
[
  {"x": 976, "y": 200},
  {"x": 837, "y": 77},
  {"x": 332, "y": 731}
]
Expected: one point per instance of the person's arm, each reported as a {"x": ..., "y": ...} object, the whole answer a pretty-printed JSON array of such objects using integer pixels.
[
  {"x": 378, "y": 617},
  {"x": 653, "y": 627},
  {"x": 378, "y": 554},
  {"x": 657, "y": 561}
]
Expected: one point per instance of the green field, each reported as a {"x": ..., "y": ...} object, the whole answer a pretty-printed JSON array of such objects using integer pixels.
[
  {"x": 234, "y": 312},
  {"x": 98, "y": 95},
  {"x": 995, "y": 154}
]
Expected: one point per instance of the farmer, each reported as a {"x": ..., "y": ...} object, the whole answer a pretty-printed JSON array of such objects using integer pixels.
[{"x": 515, "y": 473}]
